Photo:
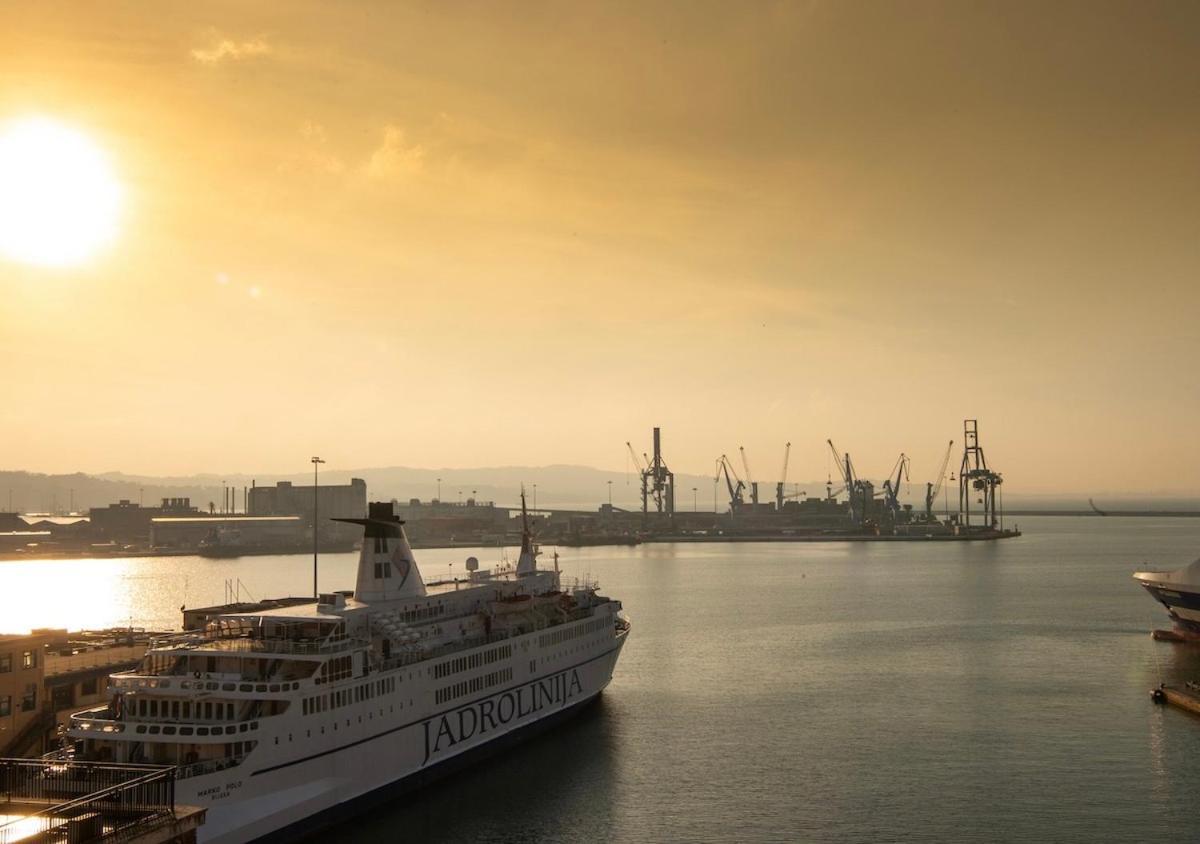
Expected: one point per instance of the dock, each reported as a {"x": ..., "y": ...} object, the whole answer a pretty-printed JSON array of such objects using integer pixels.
[{"x": 1185, "y": 697}]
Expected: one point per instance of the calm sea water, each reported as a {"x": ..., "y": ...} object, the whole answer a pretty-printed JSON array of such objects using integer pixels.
[{"x": 786, "y": 692}]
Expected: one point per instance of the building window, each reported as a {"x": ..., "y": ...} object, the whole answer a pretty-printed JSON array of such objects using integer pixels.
[
  {"x": 29, "y": 659},
  {"x": 88, "y": 687},
  {"x": 5, "y": 706},
  {"x": 29, "y": 701},
  {"x": 5, "y": 663}
]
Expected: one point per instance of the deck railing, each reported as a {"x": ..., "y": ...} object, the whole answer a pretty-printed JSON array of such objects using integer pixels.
[
  {"x": 86, "y": 801},
  {"x": 244, "y": 643}
]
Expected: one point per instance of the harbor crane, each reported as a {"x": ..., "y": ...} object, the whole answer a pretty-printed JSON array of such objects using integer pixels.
[
  {"x": 749, "y": 479},
  {"x": 974, "y": 477},
  {"x": 735, "y": 489},
  {"x": 787, "y": 452},
  {"x": 891, "y": 488},
  {"x": 658, "y": 482},
  {"x": 933, "y": 488},
  {"x": 855, "y": 489}
]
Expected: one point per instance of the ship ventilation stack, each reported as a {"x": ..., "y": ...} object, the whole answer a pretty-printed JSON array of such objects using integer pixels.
[{"x": 387, "y": 570}]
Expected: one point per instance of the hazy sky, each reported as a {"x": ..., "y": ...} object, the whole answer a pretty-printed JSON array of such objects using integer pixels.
[{"x": 457, "y": 234}]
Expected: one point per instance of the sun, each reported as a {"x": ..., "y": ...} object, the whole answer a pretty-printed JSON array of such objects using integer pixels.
[{"x": 60, "y": 201}]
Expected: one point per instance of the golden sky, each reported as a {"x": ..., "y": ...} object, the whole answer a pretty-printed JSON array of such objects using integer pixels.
[{"x": 463, "y": 234}]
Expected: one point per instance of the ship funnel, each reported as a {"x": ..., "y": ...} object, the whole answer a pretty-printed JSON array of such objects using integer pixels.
[
  {"x": 527, "y": 562},
  {"x": 387, "y": 570}
]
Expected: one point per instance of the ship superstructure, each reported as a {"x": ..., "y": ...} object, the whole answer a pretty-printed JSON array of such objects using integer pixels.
[{"x": 277, "y": 716}]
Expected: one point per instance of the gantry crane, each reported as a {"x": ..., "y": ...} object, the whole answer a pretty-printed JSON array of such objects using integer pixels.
[
  {"x": 974, "y": 476},
  {"x": 658, "y": 482}
]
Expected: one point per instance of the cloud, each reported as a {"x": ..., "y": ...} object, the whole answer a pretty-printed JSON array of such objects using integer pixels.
[
  {"x": 227, "y": 48},
  {"x": 395, "y": 158}
]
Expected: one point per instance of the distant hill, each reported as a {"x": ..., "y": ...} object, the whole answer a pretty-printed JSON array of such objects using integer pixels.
[{"x": 559, "y": 486}]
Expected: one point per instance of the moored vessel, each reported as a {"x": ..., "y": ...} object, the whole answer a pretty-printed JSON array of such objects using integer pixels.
[
  {"x": 292, "y": 715},
  {"x": 1179, "y": 592}
]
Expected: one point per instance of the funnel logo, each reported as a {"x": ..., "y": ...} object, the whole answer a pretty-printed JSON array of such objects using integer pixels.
[{"x": 401, "y": 565}]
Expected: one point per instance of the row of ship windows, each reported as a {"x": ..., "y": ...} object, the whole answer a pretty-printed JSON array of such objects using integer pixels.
[
  {"x": 308, "y": 733},
  {"x": 464, "y": 663},
  {"x": 201, "y": 685},
  {"x": 169, "y": 730},
  {"x": 345, "y": 697},
  {"x": 475, "y": 684},
  {"x": 547, "y": 640},
  {"x": 338, "y": 668},
  {"x": 208, "y": 710},
  {"x": 423, "y": 613}
]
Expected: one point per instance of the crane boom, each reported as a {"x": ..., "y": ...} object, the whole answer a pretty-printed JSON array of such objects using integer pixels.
[
  {"x": 787, "y": 452},
  {"x": 636, "y": 461},
  {"x": 845, "y": 467},
  {"x": 891, "y": 487},
  {"x": 932, "y": 489},
  {"x": 735, "y": 491},
  {"x": 749, "y": 479}
]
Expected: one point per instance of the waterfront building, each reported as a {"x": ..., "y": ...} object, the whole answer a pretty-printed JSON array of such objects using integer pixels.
[
  {"x": 22, "y": 670},
  {"x": 127, "y": 522}
]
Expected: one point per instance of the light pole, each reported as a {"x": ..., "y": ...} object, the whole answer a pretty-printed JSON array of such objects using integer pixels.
[
  {"x": 535, "y": 498},
  {"x": 439, "y": 489},
  {"x": 316, "y": 461},
  {"x": 610, "y": 495},
  {"x": 695, "y": 499}
]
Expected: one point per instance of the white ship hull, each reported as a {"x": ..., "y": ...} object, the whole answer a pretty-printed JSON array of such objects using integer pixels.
[
  {"x": 283, "y": 716},
  {"x": 381, "y": 749}
]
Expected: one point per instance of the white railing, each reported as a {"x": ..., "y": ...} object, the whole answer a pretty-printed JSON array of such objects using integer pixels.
[{"x": 243, "y": 643}]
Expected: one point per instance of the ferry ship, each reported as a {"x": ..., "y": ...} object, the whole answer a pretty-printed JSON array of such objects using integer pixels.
[
  {"x": 283, "y": 719},
  {"x": 1179, "y": 592}
]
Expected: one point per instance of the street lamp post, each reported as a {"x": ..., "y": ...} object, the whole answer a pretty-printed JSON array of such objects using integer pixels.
[
  {"x": 439, "y": 489},
  {"x": 695, "y": 499},
  {"x": 316, "y": 461},
  {"x": 610, "y": 495}
]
